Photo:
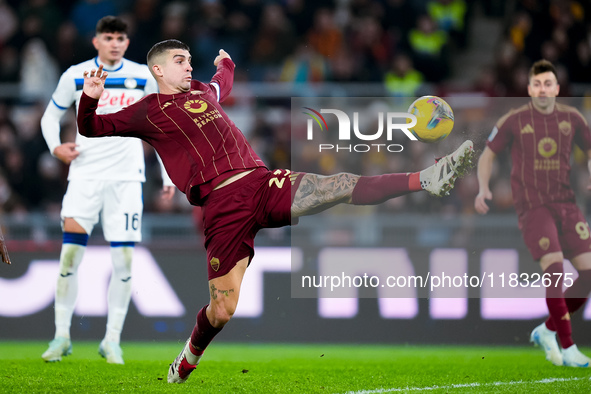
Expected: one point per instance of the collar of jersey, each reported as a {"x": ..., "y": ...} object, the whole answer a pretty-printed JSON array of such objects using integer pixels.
[{"x": 105, "y": 67}]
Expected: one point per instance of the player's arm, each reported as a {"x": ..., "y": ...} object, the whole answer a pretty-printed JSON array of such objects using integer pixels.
[
  {"x": 62, "y": 98},
  {"x": 223, "y": 79},
  {"x": 122, "y": 123},
  {"x": 485, "y": 165},
  {"x": 50, "y": 127},
  {"x": 89, "y": 124}
]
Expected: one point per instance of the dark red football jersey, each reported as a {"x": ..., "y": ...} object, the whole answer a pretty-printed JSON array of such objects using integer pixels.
[
  {"x": 193, "y": 135},
  {"x": 541, "y": 148}
]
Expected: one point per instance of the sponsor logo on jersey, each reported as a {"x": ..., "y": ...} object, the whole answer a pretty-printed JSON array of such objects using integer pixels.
[
  {"x": 204, "y": 118},
  {"x": 116, "y": 98},
  {"x": 546, "y": 164},
  {"x": 547, "y": 147},
  {"x": 196, "y": 106}
]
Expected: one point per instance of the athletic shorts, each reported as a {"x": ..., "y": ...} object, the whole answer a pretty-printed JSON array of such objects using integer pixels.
[
  {"x": 233, "y": 214},
  {"x": 555, "y": 227},
  {"x": 119, "y": 204}
]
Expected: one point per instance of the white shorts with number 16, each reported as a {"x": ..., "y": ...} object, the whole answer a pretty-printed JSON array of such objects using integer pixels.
[{"x": 119, "y": 203}]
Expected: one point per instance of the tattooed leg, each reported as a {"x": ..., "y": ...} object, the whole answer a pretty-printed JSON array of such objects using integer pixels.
[
  {"x": 223, "y": 295},
  {"x": 317, "y": 193},
  {"x": 212, "y": 318},
  {"x": 215, "y": 292}
]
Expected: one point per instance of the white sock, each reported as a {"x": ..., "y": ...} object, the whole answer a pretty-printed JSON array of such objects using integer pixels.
[
  {"x": 119, "y": 291},
  {"x": 192, "y": 358},
  {"x": 67, "y": 287}
]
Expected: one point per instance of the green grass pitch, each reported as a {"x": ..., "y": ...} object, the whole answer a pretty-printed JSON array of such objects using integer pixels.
[{"x": 283, "y": 368}]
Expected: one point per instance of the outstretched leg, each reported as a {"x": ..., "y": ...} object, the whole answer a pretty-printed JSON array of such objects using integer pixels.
[
  {"x": 317, "y": 193},
  {"x": 224, "y": 293}
]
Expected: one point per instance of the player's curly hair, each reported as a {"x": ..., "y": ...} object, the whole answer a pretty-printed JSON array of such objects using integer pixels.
[
  {"x": 111, "y": 24},
  {"x": 542, "y": 66}
]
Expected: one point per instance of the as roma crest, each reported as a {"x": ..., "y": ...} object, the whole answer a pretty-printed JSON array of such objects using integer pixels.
[
  {"x": 544, "y": 243},
  {"x": 565, "y": 127},
  {"x": 215, "y": 264}
]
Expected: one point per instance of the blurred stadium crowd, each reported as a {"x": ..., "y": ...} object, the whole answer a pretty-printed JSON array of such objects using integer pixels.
[{"x": 404, "y": 47}]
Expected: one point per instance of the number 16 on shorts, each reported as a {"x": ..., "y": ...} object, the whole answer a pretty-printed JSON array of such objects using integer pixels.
[{"x": 132, "y": 221}]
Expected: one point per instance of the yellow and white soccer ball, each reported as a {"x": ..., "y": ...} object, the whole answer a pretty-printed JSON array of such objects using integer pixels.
[{"x": 435, "y": 118}]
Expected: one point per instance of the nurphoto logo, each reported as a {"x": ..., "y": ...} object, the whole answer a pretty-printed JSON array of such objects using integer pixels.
[{"x": 388, "y": 122}]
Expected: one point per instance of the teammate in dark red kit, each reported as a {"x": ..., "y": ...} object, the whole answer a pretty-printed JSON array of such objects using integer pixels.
[
  {"x": 540, "y": 136},
  {"x": 209, "y": 159}
]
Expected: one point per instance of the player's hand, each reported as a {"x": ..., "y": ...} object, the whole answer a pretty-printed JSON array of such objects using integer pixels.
[
  {"x": 167, "y": 192},
  {"x": 66, "y": 152},
  {"x": 480, "y": 202},
  {"x": 4, "y": 257},
  {"x": 223, "y": 55},
  {"x": 94, "y": 82}
]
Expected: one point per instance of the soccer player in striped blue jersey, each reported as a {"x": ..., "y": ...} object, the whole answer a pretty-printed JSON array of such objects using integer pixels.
[{"x": 105, "y": 176}]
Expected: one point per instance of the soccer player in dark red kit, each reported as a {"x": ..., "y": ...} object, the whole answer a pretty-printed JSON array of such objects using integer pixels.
[
  {"x": 209, "y": 159},
  {"x": 540, "y": 136}
]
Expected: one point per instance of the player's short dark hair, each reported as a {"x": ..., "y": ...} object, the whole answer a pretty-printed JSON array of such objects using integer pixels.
[
  {"x": 164, "y": 46},
  {"x": 111, "y": 24},
  {"x": 542, "y": 66}
]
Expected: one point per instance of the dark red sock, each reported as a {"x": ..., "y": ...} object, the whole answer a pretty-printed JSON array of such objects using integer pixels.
[
  {"x": 203, "y": 333},
  {"x": 371, "y": 190},
  {"x": 575, "y": 296},
  {"x": 557, "y": 305}
]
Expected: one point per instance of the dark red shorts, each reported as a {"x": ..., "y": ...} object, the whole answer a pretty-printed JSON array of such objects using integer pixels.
[
  {"x": 234, "y": 214},
  {"x": 555, "y": 227}
]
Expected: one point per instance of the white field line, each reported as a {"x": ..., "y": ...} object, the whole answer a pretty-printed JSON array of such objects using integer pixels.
[{"x": 468, "y": 385}]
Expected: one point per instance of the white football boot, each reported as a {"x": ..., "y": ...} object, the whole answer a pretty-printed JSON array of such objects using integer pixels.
[
  {"x": 112, "y": 352},
  {"x": 180, "y": 369},
  {"x": 572, "y": 357},
  {"x": 58, "y": 347},
  {"x": 439, "y": 179},
  {"x": 541, "y": 336}
]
